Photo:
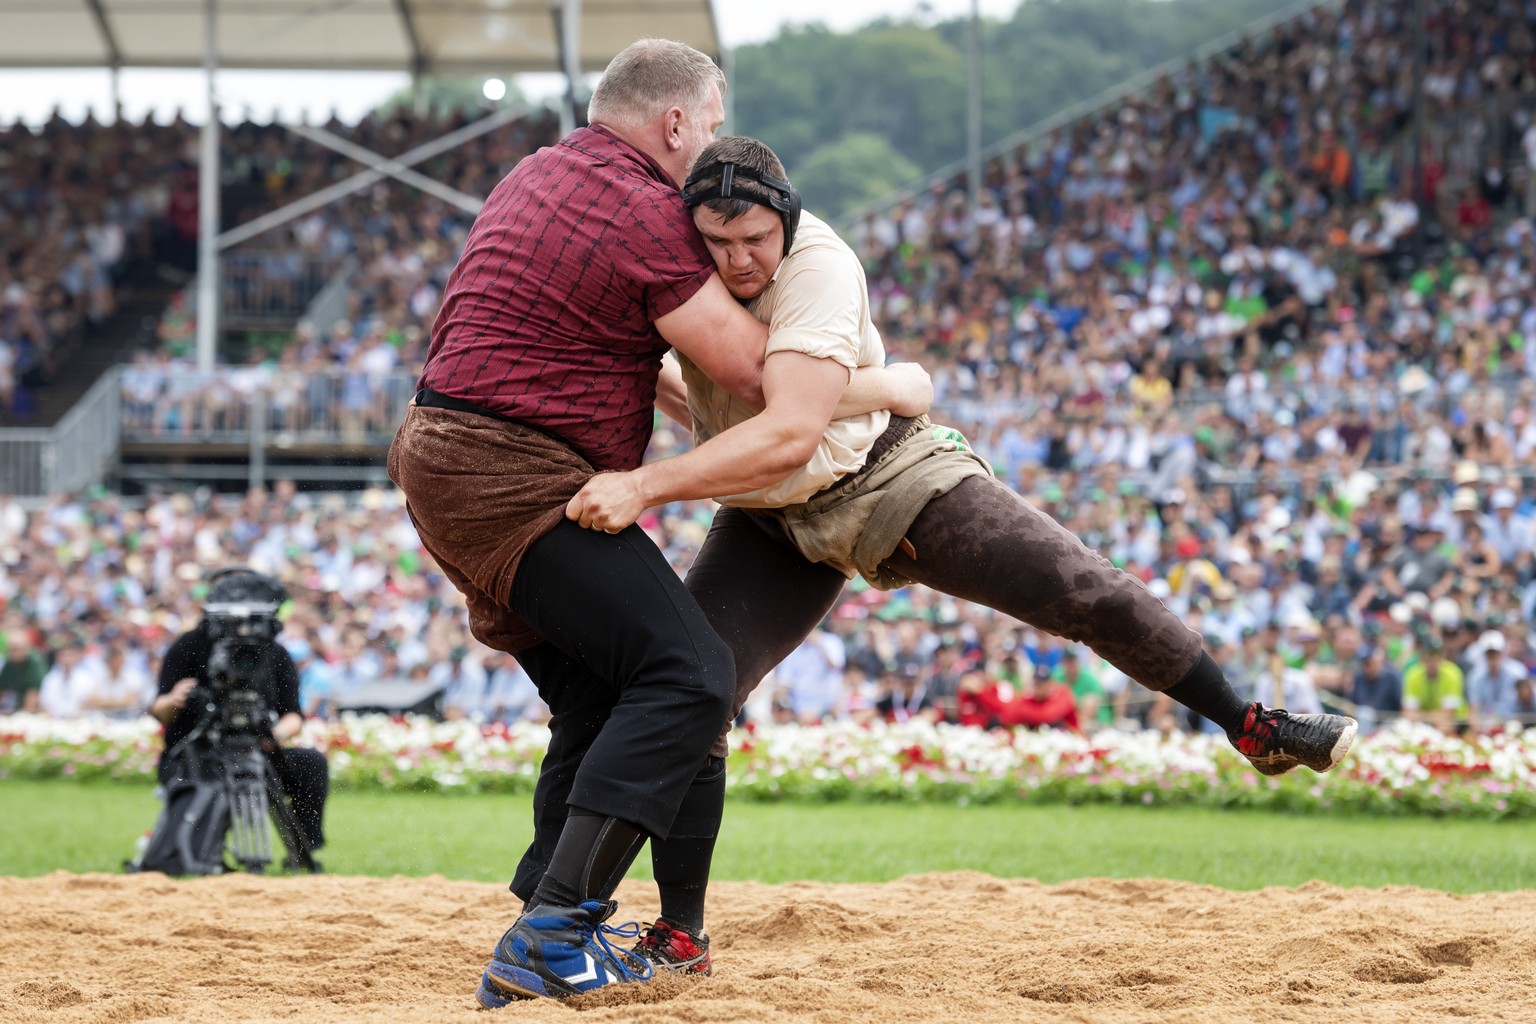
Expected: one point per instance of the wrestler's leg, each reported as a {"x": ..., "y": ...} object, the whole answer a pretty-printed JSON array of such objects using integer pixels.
[
  {"x": 763, "y": 598},
  {"x": 985, "y": 543}
]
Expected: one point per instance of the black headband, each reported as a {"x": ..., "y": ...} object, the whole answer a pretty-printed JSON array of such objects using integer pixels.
[{"x": 773, "y": 192}]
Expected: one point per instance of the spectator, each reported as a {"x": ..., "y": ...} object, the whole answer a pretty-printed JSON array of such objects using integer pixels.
[
  {"x": 943, "y": 682},
  {"x": 984, "y": 700},
  {"x": 903, "y": 697},
  {"x": 1492, "y": 683},
  {"x": 1522, "y": 705},
  {"x": 1434, "y": 690},
  {"x": 1087, "y": 692},
  {"x": 812, "y": 675},
  {"x": 69, "y": 686},
  {"x": 1045, "y": 703},
  {"x": 1280, "y": 680},
  {"x": 22, "y": 674},
  {"x": 463, "y": 683},
  {"x": 1377, "y": 689},
  {"x": 511, "y": 695},
  {"x": 123, "y": 686}
]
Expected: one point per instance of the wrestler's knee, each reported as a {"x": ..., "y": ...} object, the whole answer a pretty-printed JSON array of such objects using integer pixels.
[
  {"x": 1091, "y": 603},
  {"x": 711, "y": 677}
]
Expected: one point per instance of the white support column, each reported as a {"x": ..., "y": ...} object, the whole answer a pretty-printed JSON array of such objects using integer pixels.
[
  {"x": 567, "y": 15},
  {"x": 728, "y": 68},
  {"x": 256, "y": 418},
  {"x": 973, "y": 120},
  {"x": 571, "y": 58},
  {"x": 208, "y": 204}
]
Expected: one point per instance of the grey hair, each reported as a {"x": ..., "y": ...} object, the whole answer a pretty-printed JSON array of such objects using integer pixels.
[{"x": 650, "y": 76}]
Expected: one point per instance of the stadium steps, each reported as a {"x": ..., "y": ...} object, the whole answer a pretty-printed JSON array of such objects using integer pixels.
[{"x": 142, "y": 296}]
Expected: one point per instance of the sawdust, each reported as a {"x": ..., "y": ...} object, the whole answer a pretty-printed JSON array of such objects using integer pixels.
[{"x": 964, "y": 948}]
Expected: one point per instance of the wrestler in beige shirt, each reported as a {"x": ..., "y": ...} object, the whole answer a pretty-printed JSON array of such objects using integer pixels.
[{"x": 807, "y": 308}]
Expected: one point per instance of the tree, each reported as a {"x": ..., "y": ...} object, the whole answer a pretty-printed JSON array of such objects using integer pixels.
[
  {"x": 855, "y": 169},
  {"x": 810, "y": 91}
]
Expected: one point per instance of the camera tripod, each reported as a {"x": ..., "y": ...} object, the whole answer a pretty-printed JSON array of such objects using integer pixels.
[{"x": 220, "y": 794}]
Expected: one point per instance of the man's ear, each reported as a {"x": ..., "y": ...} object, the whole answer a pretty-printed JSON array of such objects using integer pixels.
[{"x": 672, "y": 122}]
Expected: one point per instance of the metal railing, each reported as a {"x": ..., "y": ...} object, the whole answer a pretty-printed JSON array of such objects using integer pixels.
[
  {"x": 330, "y": 303},
  {"x": 262, "y": 407},
  {"x": 38, "y": 461},
  {"x": 269, "y": 412},
  {"x": 272, "y": 286}
]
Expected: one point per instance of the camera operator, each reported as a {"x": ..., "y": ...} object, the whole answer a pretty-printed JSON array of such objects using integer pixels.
[{"x": 302, "y": 771}]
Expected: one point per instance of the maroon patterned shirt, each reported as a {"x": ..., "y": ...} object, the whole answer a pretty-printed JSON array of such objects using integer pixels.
[{"x": 548, "y": 317}]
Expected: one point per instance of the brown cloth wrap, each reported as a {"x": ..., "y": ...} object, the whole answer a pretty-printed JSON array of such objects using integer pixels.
[
  {"x": 855, "y": 524},
  {"x": 480, "y": 491}
]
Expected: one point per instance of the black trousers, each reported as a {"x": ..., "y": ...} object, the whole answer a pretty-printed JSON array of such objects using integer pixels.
[
  {"x": 306, "y": 777},
  {"x": 637, "y": 681}
]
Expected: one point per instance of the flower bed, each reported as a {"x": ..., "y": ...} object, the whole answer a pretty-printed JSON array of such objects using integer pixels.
[{"x": 1407, "y": 769}]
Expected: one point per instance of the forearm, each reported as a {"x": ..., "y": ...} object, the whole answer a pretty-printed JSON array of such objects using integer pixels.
[
  {"x": 164, "y": 708},
  {"x": 903, "y": 388},
  {"x": 288, "y": 726},
  {"x": 867, "y": 392},
  {"x": 760, "y": 451},
  {"x": 753, "y": 454},
  {"x": 672, "y": 393}
]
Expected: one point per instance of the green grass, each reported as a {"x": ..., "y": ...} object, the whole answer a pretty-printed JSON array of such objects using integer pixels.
[{"x": 47, "y": 826}]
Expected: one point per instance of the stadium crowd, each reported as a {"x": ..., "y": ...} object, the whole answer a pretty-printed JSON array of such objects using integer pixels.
[
  {"x": 76, "y": 202},
  {"x": 80, "y": 204},
  {"x": 405, "y": 242},
  {"x": 1419, "y": 599},
  {"x": 1221, "y": 329}
]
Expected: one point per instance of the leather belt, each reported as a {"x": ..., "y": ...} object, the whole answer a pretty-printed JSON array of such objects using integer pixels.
[{"x": 895, "y": 433}]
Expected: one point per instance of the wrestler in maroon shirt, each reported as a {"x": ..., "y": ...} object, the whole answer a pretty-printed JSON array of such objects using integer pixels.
[
  {"x": 580, "y": 271},
  {"x": 550, "y": 316}
]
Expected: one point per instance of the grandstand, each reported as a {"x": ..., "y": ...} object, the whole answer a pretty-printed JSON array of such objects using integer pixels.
[
  {"x": 89, "y": 286},
  {"x": 1256, "y": 326}
]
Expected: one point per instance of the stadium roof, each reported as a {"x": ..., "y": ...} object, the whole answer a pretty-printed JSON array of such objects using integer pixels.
[{"x": 428, "y": 36}]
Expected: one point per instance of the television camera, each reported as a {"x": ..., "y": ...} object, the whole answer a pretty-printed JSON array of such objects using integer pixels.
[{"x": 224, "y": 778}]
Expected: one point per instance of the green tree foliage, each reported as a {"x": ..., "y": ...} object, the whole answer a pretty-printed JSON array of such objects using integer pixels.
[
  {"x": 855, "y": 169},
  {"x": 811, "y": 91}
]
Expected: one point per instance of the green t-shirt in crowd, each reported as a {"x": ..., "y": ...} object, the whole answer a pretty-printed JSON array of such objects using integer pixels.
[
  {"x": 1087, "y": 685},
  {"x": 1447, "y": 688},
  {"x": 18, "y": 675}
]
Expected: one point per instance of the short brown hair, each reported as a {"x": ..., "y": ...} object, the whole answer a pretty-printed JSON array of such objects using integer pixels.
[
  {"x": 743, "y": 151},
  {"x": 650, "y": 76}
]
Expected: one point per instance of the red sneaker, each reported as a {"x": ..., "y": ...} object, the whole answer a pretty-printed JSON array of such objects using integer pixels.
[{"x": 673, "y": 949}]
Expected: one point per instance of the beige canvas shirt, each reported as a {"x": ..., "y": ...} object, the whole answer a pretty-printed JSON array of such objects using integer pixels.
[{"x": 816, "y": 303}]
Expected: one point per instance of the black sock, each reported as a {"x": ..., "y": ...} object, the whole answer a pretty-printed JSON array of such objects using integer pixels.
[
  {"x": 1205, "y": 690},
  {"x": 680, "y": 863},
  {"x": 593, "y": 854}
]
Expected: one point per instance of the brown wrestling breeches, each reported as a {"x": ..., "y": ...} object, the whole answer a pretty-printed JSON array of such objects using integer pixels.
[{"x": 981, "y": 542}]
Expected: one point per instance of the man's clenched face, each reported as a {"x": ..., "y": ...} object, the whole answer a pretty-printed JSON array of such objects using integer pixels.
[{"x": 747, "y": 250}]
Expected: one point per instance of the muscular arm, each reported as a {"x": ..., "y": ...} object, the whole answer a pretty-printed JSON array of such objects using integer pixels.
[
  {"x": 672, "y": 393},
  {"x": 801, "y": 395},
  {"x": 722, "y": 339},
  {"x": 903, "y": 388}
]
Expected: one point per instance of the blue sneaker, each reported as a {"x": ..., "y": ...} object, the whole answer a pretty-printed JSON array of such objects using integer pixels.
[{"x": 558, "y": 952}]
